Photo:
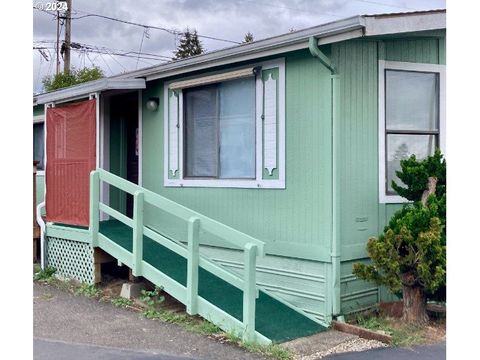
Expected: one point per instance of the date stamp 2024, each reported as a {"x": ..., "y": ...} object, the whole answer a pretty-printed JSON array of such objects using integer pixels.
[{"x": 52, "y": 6}]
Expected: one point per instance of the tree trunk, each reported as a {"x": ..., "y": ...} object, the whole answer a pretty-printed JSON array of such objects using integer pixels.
[{"x": 414, "y": 305}]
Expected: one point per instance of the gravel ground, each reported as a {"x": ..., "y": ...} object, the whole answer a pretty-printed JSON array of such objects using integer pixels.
[{"x": 357, "y": 344}]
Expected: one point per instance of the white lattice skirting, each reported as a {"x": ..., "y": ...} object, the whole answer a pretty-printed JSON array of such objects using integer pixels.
[{"x": 71, "y": 259}]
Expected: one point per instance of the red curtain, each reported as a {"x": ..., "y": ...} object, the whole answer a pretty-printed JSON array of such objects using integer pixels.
[{"x": 70, "y": 159}]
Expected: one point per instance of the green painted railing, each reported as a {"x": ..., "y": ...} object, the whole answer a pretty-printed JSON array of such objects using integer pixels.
[{"x": 187, "y": 295}]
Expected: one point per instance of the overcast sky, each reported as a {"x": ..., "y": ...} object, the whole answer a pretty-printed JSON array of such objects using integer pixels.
[{"x": 225, "y": 19}]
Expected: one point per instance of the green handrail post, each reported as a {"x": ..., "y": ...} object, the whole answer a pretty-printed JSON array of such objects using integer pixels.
[
  {"x": 249, "y": 292},
  {"x": 94, "y": 215},
  {"x": 192, "y": 265},
  {"x": 137, "y": 246}
]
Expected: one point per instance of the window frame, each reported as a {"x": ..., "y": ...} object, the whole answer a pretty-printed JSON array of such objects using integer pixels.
[
  {"x": 40, "y": 119},
  {"x": 258, "y": 181},
  {"x": 383, "y": 66}
]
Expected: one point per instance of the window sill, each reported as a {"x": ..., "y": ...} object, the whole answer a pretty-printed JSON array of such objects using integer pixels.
[
  {"x": 245, "y": 184},
  {"x": 393, "y": 199}
]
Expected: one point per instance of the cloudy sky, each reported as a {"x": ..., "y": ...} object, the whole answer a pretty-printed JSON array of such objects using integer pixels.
[{"x": 222, "y": 19}]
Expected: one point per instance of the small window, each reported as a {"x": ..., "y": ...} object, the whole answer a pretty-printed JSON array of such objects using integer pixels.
[
  {"x": 410, "y": 117},
  {"x": 38, "y": 145}
]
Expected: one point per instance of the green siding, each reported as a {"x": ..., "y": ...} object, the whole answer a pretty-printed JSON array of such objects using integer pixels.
[
  {"x": 361, "y": 214},
  {"x": 297, "y": 218},
  {"x": 294, "y": 222},
  {"x": 356, "y": 62},
  {"x": 38, "y": 110}
]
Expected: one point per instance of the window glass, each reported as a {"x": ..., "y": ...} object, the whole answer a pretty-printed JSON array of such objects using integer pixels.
[
  {"x": 400, "y": 147},
  {"x": 411, "y": 100},
  {"x": 220, "y": 130},
  {"x": 38, "y": 145},
  {"x": 237, "y": 128},
  {"x": 201, "y": 124}
]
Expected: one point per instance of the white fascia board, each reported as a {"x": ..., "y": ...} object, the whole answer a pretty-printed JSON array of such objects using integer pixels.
[
  {"x": 84, "y": 90},
  {"x": 396, "y": 24}
]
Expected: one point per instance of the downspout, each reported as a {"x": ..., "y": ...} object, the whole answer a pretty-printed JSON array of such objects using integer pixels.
[
  {"x": 336, "y": 246},
  {"x": 41, "y": 223}
]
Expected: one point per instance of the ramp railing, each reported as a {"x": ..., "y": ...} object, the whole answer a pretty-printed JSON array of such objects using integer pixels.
[{"x": 188, "y": 294}]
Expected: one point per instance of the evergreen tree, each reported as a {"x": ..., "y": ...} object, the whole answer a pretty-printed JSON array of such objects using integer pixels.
[
  {"x": 189, "y": 45},
  {"x": 410, "y": 256},
  {"x": 248, "y": 38},
  {"x": 74, "y": 77}
]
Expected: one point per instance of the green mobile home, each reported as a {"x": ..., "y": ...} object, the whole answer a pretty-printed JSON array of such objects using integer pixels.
[{"x": 246, "y": 181}]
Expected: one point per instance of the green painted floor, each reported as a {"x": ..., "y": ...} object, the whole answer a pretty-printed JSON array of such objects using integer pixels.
[{"x": 273, "y": 319}]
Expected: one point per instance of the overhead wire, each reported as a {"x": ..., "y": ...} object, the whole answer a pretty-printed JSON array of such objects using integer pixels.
[
  {"x": 388, "y": 5},
  {"x": 170, "y": 31}
]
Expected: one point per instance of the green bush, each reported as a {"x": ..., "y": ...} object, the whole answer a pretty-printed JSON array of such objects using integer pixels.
[{"x": 410, "y": 256}]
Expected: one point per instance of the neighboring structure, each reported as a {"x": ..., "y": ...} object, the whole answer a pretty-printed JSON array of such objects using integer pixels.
[{"x": 283, "y": 148}]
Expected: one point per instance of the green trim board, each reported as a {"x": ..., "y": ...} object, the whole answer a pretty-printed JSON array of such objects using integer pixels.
[
  {"x": 272, "y": 316},
  {"x": 68, "y": 232}
]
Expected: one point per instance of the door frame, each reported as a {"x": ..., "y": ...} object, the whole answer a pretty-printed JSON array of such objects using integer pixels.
[{"x": 103, "y": 144}]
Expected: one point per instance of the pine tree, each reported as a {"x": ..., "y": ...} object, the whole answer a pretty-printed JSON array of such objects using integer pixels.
[
  {"x": 248, "y": 38},
  {"x": 189, "y": 45},
  {"x": 410, "y": 256}
]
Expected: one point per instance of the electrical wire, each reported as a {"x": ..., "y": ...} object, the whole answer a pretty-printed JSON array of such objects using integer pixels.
[
  {"x": 170, "y": 31},
  {"x": 106, "y": 50},
  {"x": 388, "y": 5}
]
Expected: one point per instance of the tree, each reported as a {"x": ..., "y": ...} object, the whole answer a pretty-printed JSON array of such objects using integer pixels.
[
  {"x": 410, "y": 256},
  {"x": 74, "y": 77},
  {"x": 189, "y": 45},
  {"x": 415, "y": 176},
  {"x": 248, "y": 38}
]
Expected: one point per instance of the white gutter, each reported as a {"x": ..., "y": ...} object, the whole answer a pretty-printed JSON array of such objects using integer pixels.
[{"x": 41, "y": 223}]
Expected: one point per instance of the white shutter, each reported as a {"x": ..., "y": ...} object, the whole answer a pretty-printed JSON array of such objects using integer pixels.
[
  {"x": 173, "y": 128},
  {"x": 270, "y": 125}
]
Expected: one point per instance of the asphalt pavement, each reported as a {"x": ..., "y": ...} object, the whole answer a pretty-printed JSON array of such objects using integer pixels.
[
  {"x": 84, "y": 328},
  {"x": 59, "y": 350}
]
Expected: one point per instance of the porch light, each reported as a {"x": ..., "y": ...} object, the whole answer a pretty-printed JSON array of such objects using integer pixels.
[{"x": 152, "y": 103}]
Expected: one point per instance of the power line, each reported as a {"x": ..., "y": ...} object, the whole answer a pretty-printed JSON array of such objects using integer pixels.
[
  {"x": 170, "y": 31},
  {"x": 320, "y": 12},
  {"x": 144, "y": 34},
  {"x": 388, "y": 5},
  {"x": 128, "y": 53}
]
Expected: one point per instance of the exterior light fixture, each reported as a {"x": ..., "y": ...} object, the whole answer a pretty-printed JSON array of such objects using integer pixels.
[{"x": 152, "y": 103}]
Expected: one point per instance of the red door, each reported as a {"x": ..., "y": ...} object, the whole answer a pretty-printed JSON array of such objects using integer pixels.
[{"x": 70, "y": 159}]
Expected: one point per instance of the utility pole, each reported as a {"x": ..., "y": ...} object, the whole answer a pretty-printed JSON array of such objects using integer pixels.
[
  {"x": 68, "y": 34},
  {"x": 58, "y": 45}
]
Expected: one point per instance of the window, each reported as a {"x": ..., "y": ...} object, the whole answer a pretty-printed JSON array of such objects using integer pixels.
[
  {"x": 227, "y": 129},
  {"x": 38, "y": 145},
  {"x": 411, "y": 113},
  {"x": 219, "y": 139}
]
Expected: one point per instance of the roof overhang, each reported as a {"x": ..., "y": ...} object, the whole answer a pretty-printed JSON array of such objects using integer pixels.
[
  {"x": 330, "y": 32},
  {"x": 345, "y": 29},
  {"x": 386, "y": 24},
  {"x": 91, "y": 87}
]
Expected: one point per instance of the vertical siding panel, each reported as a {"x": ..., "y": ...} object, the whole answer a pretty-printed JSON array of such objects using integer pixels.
[{"x": 359, "y": 153}]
